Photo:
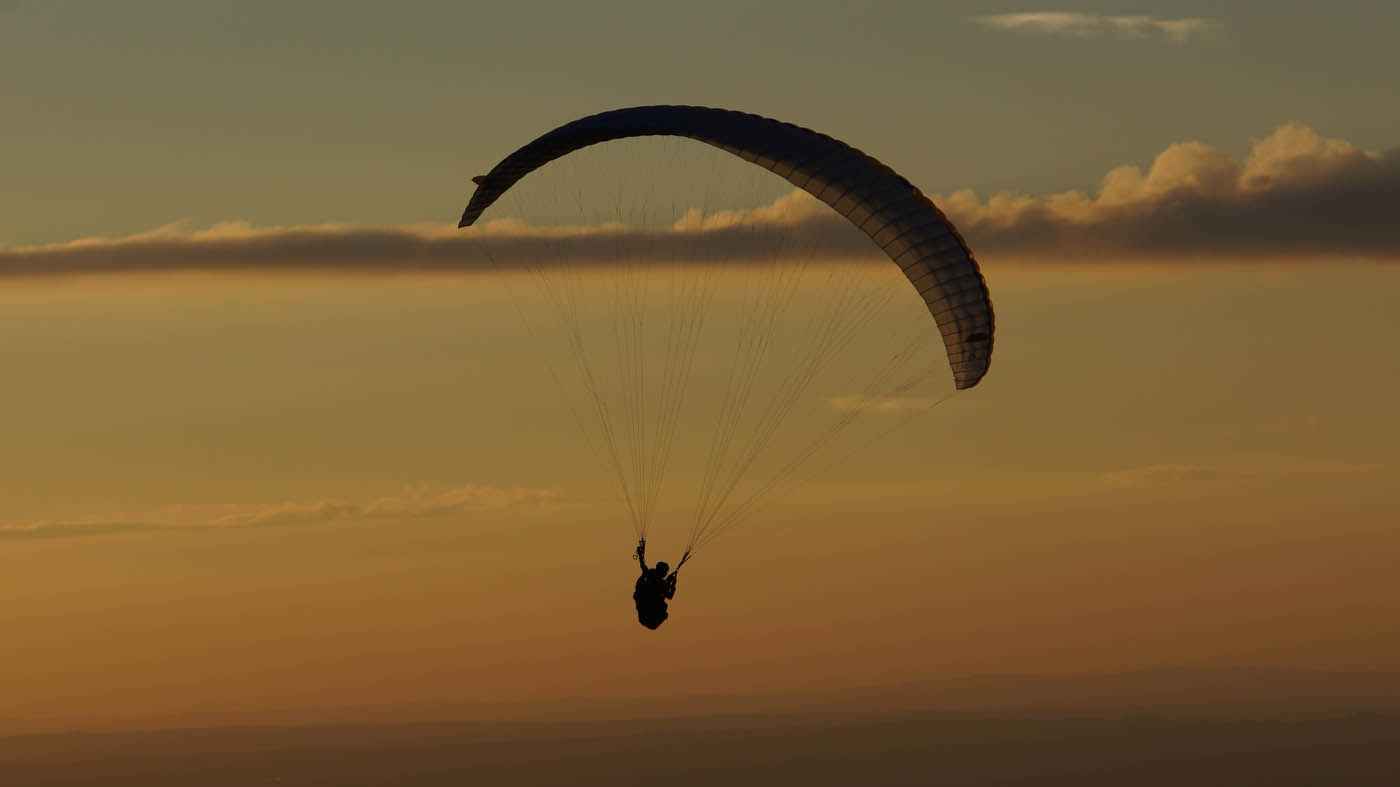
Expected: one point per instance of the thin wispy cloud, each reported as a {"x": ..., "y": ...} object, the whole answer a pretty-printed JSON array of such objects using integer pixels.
[
  {"x": 879, "y": 404},
  {"x": 1156, "y": 475},
  {"x": 1241, "y": 470},
  {"x": 411, "y": 504},
  {"x": 1071, "y": 24},
  {"x": 1295, "y": 196}
]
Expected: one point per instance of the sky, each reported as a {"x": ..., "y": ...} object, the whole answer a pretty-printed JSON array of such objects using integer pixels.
[{"x": 275, "y": 435}]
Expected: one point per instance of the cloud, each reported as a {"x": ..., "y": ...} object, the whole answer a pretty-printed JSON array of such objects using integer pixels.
[
  {"x": 880, "y": 404},
  {"x": 1246, "y": 468},
  {"x": 1069, "y": 24},
  {"x": 1296, "y": 195},
  {"x": 1156, "y": 475},
  {"x": 412, "y": 503},
  {"x": 239, "y": 247},
  {"x": 791, "y": 225}
]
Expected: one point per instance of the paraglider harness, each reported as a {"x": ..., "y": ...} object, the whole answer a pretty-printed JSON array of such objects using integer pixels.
[{"x": 652, "y": 592}]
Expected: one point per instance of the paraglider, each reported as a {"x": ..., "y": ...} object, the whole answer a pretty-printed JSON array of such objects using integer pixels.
[
  {"x": 911, "y": 231},
  {"x": 654, "y": 588}
]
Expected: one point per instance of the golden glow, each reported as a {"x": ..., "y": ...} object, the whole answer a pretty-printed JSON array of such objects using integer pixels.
[{"x": 1162, "y": 469}]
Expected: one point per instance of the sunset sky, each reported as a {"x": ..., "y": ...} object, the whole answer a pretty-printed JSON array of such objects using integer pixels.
[{"x": 272, "y": 434}]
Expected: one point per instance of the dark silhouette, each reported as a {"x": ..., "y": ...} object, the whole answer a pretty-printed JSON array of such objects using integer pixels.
[{"x": 654, "y": 588}]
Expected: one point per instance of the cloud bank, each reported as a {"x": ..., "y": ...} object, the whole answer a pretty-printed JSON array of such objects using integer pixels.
[
  {"x": 794, "y": 224},
  {"x": 1070, "y": 24},
  {"x": 413, "y": 504},
  {"x": 1295, "y": 196}
]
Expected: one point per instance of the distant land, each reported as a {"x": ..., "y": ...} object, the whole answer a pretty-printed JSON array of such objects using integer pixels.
[
  {"x": 1258, "y": 694},
  {"x": 1159, "y": 727},
  {"x": 810, "y": 750}
]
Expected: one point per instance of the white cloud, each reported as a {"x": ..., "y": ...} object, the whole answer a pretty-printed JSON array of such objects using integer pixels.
[
  {"x": 412, "y": 503},
  {"x": 1070, "y": 24}
]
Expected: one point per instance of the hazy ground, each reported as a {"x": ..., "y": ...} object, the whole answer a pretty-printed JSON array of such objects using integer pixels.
[
  {"x": 1227, "y": 727},
  {"x": 805, "y": 750}
]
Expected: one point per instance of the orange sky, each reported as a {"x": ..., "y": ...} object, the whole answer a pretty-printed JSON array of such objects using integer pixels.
[
  {"x": 1166, "y": 467},
  {"x": 269, "y": 438}
]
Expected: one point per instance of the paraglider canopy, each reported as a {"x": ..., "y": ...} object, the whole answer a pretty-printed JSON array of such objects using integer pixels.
[{"x": 903, "y": 222}]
